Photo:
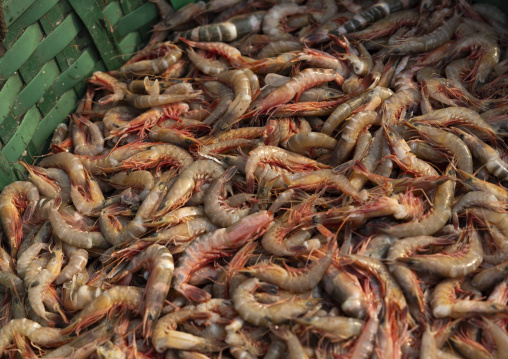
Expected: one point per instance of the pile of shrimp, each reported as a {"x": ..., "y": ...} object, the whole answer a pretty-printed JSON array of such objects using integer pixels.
[{"x": 274, "y": 180}]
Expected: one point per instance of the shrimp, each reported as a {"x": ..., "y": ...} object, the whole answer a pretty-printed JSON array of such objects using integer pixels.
[
  {"x": 489, "y": 277},
  {"x": 60, "y": 134},
  {"x": 182, "y": 233},
  {"x": 321, "y": 59},
  {"x": 165, "y": 335},
  {"x": 295, "y": 280},
  {"x": 175, "y": 135},
  {"x": 263, "y": 315},
  {"x": 158, "y": 261},
  {"x": 149, "y": 101},
  {"x": 334, "y": 327},
  {"x": 27, "y": 256},
  {"x": 215, "y": 206},
  {"x": 450, "y": 142},
  {"x": 232, "y": 54},
  {"x": 87, "y": 198},
  {"x": 426, "y": 151},
  {"x": 76, "y": 296},
  {"x": 78, "y": 258},
  {"x": 445, "y": 305},
  {"x": 189, "y": 180},
  {"x": 37, "y": 334},
  {"x": 391, "y": 288},
  {"x": 294, "y": 347},
  {"x": 350, "y": 134},
  {"x": 155, "y": 156},
  {"x": 116, "y": 235},
  {"x": 325, "y": 178},
  {"x": 226, "y": 96},
  {"x": 75, "y": 236},
  {"x": 177, "y": 216},
  {"x": 240, "y": 82},
  {"x": 387, "y": 26},
  {"x": 69, "y": 163},
  {"x": 317, "y": 94},
  {"x": 453, "y": 115},
  {"x": 121, "y": 295},
  {"x": 109, "y": 83},
  {"x": 206, "y": 66},
  {"x": 51, "y": 182},
  {"x": 453, "y": 73},
  {"x": 478, "y": 198},
  {"x": 233, "y": 28},
  {"x": 40, "y": 284},
  {"x": 427, "y": 42},
  {"x": 404, "y": 157},
  {"x": 475, "y": 184},
  {"x": 489, "y": 58},
  {"x": 435, "y": 219},
  {"x": 484, "y": 154},
  {"x": 273, "y": 64},
  {"x": 139, "y": 179},
  {"x": 346, "y": 109},
  {"x": 79, "y": 138},
  {"x": 303, "y": 141},
  {"x": 263, "y": 154},
  {"x": 301, "y": 82},
  {"x": 17, "y": 198},
  {"x": 12, "y": 282},
  {"x": 272, "y": 19},
  {"x": 360, "y": 58},
  {"x": 215, "y": 245},
  {"x": 372, "y": 14},
  {"x": 405, "y": 276},
  {"x": 154, "y": 66},
  {"x": 275, "y": 48},
  {"x": 346, "y": 290}
]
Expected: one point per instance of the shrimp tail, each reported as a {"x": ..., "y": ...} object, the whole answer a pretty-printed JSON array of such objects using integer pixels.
[{"x": 195, "y": 294}]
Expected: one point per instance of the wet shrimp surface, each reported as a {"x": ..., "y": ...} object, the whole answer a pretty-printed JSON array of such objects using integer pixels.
[{"x": 325, "y": 179}]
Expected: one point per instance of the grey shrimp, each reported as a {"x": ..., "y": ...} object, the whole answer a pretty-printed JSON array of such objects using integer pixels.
[
  {"x": 240, "y": 82},
  {"x": 450, "y": 142},
  {"x": 78, "y": 258},
  {"x": 297, "y": 280},
  {"x": 350, "y": 134},
  {"x": 263, "y": 315},
  {"x": 37, "y": 334},
  {"x": 271, "y": 21},
  {"x": 74, "y": 236},
  {"x": 427, "y": 42},
  {"x": 485, "y": 154},
  {"x": 192, "y": 176},
  {"x": 220, "y": 213},
  {"x": 226, "y": 96},
  {"x": 158, "y": 261},
  {"x": 435, "y": 219}
]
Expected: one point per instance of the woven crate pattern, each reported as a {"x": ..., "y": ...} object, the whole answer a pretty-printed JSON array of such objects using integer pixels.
[{"x": 51, "y": 48}]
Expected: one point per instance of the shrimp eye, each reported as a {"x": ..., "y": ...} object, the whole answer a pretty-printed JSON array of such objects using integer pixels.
[
  {"x": 396, "y": 51},
  {"x": 187, "y": 141}
]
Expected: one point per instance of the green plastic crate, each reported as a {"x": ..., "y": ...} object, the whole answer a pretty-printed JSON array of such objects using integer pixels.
[{"x": 50, "y": 50}]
